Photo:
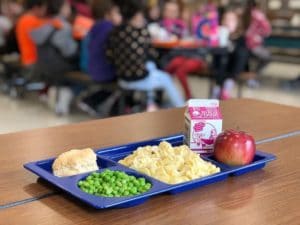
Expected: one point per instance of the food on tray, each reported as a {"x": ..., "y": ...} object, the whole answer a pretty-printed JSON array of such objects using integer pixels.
[
  {"x": 114, "y": 184},
  {"x": 169, "y": 164},
  {"x": 75, "y": 162},
  {"x": 234, "y": 148}
]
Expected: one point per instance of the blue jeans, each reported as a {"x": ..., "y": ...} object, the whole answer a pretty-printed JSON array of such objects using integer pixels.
[{"x": 156, "y": 80}]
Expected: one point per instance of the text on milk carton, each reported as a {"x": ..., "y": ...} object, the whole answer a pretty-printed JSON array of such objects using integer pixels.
[{"x": 203, "y": 123}]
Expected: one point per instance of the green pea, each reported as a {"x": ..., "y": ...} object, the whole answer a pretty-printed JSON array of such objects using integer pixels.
[
  {"x": 122, "y": 190},
  {"x": 142, "y": 181},
  {"x": 113, "y": 184},
  {"x": 124, "y": 181},
  {"x": 116, "y": 188},
  {"x": 133, "y": 190}
]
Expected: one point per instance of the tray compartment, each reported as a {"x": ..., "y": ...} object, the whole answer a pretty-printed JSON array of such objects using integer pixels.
[
  {"x": 179, "y": 188},
  {"x": 119, "y": 152},
  {"x": 223, "y": 175},
  {"x": 259, "y": 162},
  {"x": 70, "y": 185},
  {"x": 46, "y": 165}
]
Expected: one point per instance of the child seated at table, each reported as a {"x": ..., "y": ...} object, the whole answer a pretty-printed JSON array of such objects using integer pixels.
[
  {"x": 153, "y": 12},
  {"x": 55, "y": 43},
  {"x": 172, "y": 20},
  {"x": 227, "y": 24},
  {"x": 9, "y": 14},
  {"x": 153, "y": 16},
  {"x": 259, "y": 28},
  {"x": 231, "y": 64},
  {"x": 180, "y": 66},
  {"x": 107, "y": 14},
  {"x": 93, "y": 51},
  {"x": 130, "y": 51},
  {"x": 205, "y": 24},
  {"x": 33, "y": 18},
  {"x": 57, "y": 51}
]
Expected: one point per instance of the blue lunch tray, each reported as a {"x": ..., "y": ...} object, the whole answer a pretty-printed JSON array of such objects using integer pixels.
[{"x": 108, "y": 159}]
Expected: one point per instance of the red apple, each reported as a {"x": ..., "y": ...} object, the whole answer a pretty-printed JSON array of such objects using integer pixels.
[{"x": 234, "y": 148}]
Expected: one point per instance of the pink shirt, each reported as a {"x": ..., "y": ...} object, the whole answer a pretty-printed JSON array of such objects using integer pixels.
[{"x": 259, "y": 29}]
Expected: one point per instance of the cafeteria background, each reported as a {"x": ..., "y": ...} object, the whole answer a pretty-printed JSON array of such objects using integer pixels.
[{"x": 58, "y": 66}]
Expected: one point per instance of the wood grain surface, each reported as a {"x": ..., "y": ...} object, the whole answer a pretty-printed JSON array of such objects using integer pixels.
[
  {"x": 268, "y": 196},
  {"x": 261, "y": 119}
]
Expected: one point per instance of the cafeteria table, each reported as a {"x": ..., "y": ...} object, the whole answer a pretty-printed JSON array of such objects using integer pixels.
[{"x": 269, "y": 196}]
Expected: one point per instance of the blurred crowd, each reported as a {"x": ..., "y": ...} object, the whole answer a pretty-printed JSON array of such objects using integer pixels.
[{"x": 113, "y": 44}]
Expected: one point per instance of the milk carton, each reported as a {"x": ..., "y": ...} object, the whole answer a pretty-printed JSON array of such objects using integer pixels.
[{"x": 203, "y": 123}]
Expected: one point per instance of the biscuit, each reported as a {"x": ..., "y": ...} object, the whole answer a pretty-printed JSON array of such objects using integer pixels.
[{"x": 75, "y": 162}]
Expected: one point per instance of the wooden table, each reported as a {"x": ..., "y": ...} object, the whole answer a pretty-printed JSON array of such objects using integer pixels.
[
  {"x": 268, "y": 195},
  {"x": 187, "y": 44}
]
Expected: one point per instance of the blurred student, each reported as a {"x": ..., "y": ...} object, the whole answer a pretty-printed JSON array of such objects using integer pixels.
[
  {"x": 57, "y": 51},
  {"x": 10, "y": 12},
  {"x": 258, "y": 29},
  {"x": 5, "y": 26},
  {"x": 56, "y": 45},
  {"x": 153, "y": 16},
  {"x": 228, "y": 25},
  {"x": 93, "y": 51},
  {"x": 172, "y": 20},
  {"x": 33, "y": 18},
  {"x": 153, "y": 12},
  {"x": 11, "y": 9},
  {"x": 247, "y": 39},
  {"x": 108, "y": 15},
  {"x": 205, "y": 23},
  {"x": 180, "y": 66},
  {"x": 82, "y": 18},
  {"x": 238, "y": 56},
  {"x": 130, "y": 51}
]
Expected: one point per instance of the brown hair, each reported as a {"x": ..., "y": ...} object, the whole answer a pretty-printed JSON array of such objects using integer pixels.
[
  {"x": 250, "y": 5},
  {"x": 101, "y": 7},
  {"x": 178, "y": 2}
]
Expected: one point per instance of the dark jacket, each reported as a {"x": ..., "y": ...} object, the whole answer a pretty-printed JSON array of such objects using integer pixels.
[
  {"x": 99, "y": 67},
  {"x": 129, "y": 49}
]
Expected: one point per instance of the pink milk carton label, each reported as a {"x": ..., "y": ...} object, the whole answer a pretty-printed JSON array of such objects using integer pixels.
[{"x": 203, "y": 123}]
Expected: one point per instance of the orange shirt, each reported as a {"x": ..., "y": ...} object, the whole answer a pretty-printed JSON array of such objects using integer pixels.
[{"x": 25, "y": 25}]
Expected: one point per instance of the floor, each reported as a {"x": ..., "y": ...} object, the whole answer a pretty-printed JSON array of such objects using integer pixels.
[{"x": 17, "y": 115}]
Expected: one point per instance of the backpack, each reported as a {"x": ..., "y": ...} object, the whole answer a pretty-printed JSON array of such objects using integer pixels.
[{"x": 51, "y": 64}]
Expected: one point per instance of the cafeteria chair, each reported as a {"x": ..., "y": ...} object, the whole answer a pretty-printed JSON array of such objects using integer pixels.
[
  {"x": 110, "y": 90},
  {"x": 132, "y": 100},
  {"x": 14, "y": 78}
]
